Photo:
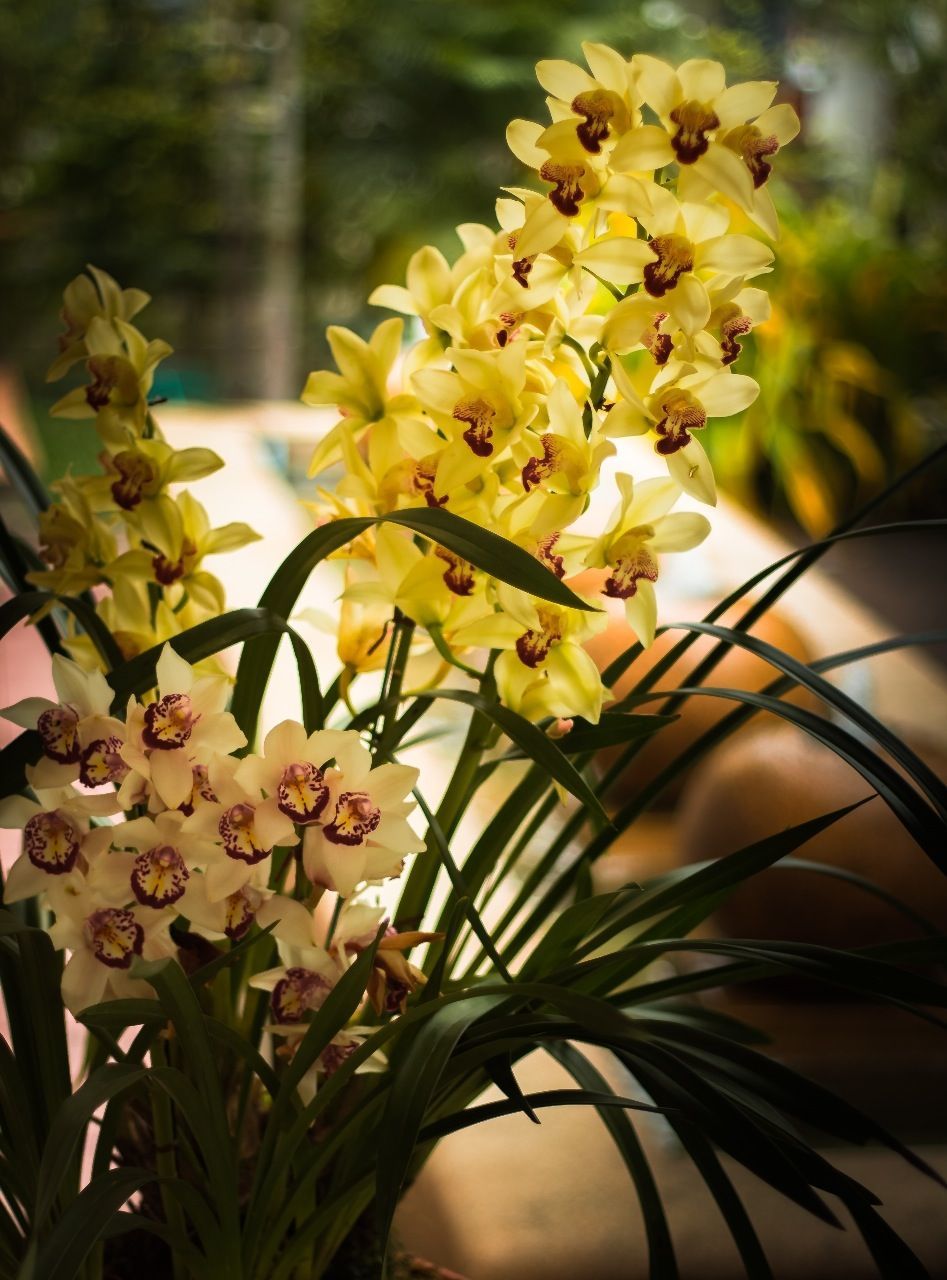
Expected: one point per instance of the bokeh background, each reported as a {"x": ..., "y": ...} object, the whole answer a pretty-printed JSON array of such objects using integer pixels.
[{"x": 259, "y": 165}]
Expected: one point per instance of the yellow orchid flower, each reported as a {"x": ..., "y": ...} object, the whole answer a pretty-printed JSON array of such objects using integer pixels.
[
  {"x": 755, "y": 142},
  {"x": 544, "y": 670},
  {"x": 122, "y": 364},
  {"x": 696, "y": 110},
  {"x": 143, "y": 470},
  {"x": 682, "y": 398},
  {"x": 360, "y": 392},
  {"x": 434, "y": 588},
  {"x": 480, "y": 406},
  {"x": 606, "y": 101},
  {"x": 176, "y": 536},
  {"x": 689, "y": 243},
  {"x": 563, "y": 465},
  {"x": 74, "y": 542},
  {"x": 640, "y": 528},
  {"x": 85, "y": 298}
]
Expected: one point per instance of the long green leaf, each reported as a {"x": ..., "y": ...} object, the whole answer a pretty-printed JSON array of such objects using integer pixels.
[
  {"x": 471, "y": 1116},
  {"x": 19, "y": 472},
  {"x": 63, "y": 1250},
  {"x": 540, "y": 748},
  {"x": 809, "y": 679},
  {"x": 909, "y": 808},
  {"x": 486, "y": 550},
  {"x": 661, "y": 1258},
  {"x": 184, "y": 1011},
  {"x": 409, "y": 1098},
  {"x": 70, "y": 1125}
]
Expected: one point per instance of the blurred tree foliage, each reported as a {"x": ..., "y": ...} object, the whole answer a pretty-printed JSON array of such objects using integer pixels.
[
  {"x": 259, "y": 165},
  {"x": 134, "y": 135}
]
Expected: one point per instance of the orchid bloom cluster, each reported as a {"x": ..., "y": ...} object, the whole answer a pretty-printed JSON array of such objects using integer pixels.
[
  {"x": 211, "y": 842},
  {"x": 612, "y": 305},
  {"x": 130, "y": 528}
]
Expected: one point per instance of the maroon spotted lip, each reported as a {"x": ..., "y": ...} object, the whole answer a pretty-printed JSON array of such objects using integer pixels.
[
  {"x": 355, "y": 818},
  {"x": 59, "y": 729},
  {"x": 168, "y": 722},
  {"x": 159, "y": 876},
  {"x": 236, "y": 830},
  {"x": 302, "y": 793},
  {"x": 101, "y": 762},
  {"x": 115, "y": 937},
  {"x": 298, "y": 993},
  {"x": 51, "y": 843}
]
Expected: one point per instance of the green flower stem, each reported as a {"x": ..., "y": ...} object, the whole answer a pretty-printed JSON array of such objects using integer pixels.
[
  {"x": 165, "y": 1160},
  {"x": 587, "y": 365},
  {"x": 336, "y": 912},
  {"x": 460, "y": 790},
  {"x": 399, "y": 650}
]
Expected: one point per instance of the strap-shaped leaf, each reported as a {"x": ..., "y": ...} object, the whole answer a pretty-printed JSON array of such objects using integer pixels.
[
  {"x": 64, "y": 1248},
  {"x": 212, "y": 636},
  {"x": 411, "y": 1095},
  {"x": 836, "y": 698},
  {"x": 532, "y": 742},
  {"x": 484, "y": 549},
  {"x": 662, "y": 1262},
  {"x": 914, "y": 813},
  {"x": 70, "y": 1124},
  {"x": 19, "y": 472},
  {"x": 488, "y": 551},
  {"x": 471, "y": 1116}
]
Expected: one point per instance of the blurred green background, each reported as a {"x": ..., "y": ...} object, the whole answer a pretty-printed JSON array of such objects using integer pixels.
[{"x": 259, "y": 165}]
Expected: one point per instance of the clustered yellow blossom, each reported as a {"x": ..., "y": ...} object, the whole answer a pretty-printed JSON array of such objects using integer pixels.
[
  {"x": 202, "y": 847},
  {"x": 612, "y": 304},
  {"x": 130, "y": 529}
]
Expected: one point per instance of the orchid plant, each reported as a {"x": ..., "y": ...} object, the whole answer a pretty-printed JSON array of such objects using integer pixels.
[{"x": 294, "y": 975}]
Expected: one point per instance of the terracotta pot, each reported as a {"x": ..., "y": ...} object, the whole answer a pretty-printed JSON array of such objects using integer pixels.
[
  {"x": 774, "y": 778},
  {"x": 738, "y": 669}
]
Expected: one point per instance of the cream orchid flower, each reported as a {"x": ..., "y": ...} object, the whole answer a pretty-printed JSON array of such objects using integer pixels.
[
  {"x": 302, "y": 981},
  {"x": 104, "y": 941},
  {"x": 56, "y": 836},
  {"x": 240, "y": 828},
  {"x": 364, "y": 833},
  {"x": 230, "y": 917},
  {"x": 81, "y": 740},
  {"x": 185, "y": 725},
  {"x": 166, "y": 854},
  {"x": 293, "y": 769}
]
